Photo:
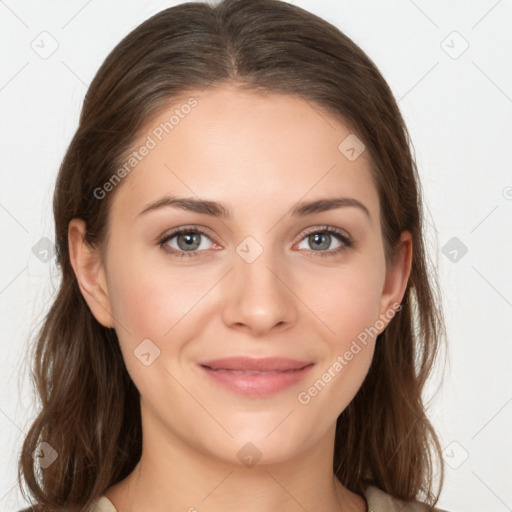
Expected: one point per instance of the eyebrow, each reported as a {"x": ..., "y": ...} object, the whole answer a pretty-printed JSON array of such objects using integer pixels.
[{"x": 216, "y": 209}]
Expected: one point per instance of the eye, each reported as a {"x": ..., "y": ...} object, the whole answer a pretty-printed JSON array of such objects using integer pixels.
[
  {"x": 320, "y": 241},
  {"x": 186, "y": 241},
  {"x": 190, "y": 241}
]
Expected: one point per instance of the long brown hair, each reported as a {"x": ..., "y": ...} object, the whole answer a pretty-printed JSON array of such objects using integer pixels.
[{"x": 90, "y": 410}]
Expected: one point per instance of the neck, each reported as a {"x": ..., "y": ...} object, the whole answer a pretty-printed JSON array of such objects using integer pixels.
[{"x": 173, "y": 475}]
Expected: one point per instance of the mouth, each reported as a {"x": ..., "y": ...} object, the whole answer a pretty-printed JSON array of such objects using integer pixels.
[{"x": 256, "y": 376}]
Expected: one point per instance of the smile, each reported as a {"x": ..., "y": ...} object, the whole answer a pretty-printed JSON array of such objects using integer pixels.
[{"x": 256, "y": 377}]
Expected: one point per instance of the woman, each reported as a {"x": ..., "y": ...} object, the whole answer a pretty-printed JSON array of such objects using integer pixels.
[{"x": 245, "y": 319}]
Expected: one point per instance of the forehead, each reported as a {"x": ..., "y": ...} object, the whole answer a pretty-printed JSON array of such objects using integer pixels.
[{"x": 246, "y": 148}]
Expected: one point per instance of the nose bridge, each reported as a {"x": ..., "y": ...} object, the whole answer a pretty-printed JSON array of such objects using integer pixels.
[
  {"x": 258, "y": 297},
  {"x": 258, "y": 275}
]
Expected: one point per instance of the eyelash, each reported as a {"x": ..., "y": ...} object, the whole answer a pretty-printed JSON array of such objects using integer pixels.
[{"x": 348, "y": 243}]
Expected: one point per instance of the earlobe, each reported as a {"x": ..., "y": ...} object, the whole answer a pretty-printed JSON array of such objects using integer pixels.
[
  {"x": 397, "y": 277},
  {"x": 89, "y": 272}
]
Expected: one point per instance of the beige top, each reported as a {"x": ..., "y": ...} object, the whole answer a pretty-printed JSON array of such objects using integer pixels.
[{"x": 378, "y": 501}]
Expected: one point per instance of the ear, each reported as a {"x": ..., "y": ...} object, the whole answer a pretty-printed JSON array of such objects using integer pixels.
[
  {"x": 89, "y": 272},
  {"x": 397, "y": 277}
]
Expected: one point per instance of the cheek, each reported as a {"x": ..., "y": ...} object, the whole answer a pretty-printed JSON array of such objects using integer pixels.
[
  {"x": 349, "y": 310},
  {"x": 347, "y": 301},
  {"x": 149, "y": 299},
  {"x": 148, "y": 302}
]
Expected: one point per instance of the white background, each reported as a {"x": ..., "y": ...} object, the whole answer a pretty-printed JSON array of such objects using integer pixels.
[{"x": 459, "y": 113}]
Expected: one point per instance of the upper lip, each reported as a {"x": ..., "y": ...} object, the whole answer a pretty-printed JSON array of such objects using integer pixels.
[{"x": 264, "y": 364}]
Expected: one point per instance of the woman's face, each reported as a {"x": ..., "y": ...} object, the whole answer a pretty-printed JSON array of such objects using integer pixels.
[{"x": 278, "y": 280}]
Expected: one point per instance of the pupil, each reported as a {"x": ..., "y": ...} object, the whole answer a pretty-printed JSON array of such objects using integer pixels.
[
  {"x": 318, "y": 238},
  {"x": 191, "y": 241}
]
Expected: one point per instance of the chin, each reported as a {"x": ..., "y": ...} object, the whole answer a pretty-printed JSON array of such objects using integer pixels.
[{"x": 255, "y": 445}]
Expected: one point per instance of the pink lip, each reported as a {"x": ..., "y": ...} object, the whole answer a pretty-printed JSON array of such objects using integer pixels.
[{"x": 256, "y": 376}]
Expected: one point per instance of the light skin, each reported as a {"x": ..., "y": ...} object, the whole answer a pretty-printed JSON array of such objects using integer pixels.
[{"x": 258, "y": 155}]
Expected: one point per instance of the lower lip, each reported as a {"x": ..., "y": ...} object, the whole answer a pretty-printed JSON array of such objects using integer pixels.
[{"x": 261, "y": 384}]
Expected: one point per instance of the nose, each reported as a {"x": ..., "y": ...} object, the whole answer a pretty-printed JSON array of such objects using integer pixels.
[{"x": 259, "y": 296}]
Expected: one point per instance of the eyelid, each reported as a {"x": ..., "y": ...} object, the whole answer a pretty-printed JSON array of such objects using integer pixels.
[
  {"x": 342, "y": 236},
  {"x": 326, "y": 228},
  {"x": 163, "y": 239},
  {"x": 187, "y": 227}
]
